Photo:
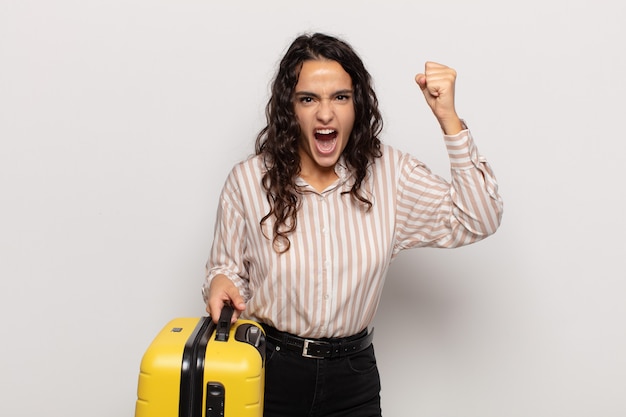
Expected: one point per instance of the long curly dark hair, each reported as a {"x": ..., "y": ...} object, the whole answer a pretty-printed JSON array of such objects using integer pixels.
[{"x": 278, "y": 141}]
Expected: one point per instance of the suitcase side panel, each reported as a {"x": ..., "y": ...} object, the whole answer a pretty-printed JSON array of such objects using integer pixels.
[
  {"x": 239, "y": 367},
  {"x": 160, "y": 370}
]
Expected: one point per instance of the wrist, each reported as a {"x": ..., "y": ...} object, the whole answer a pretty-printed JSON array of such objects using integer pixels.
[{"x": 452, "y": 125}]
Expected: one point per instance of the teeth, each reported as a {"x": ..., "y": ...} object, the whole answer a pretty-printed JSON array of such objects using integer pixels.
[{"x": 324, "y": 131}]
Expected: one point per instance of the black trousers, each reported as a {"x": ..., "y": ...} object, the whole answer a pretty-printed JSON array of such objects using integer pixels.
[{"x": 296, "y": 386}]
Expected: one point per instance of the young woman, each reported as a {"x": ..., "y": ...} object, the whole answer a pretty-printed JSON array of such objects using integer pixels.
[{"x": 306, "y": 228}]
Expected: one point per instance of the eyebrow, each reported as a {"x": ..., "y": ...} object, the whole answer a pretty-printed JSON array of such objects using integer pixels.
[{"x": 310, "y": 94}]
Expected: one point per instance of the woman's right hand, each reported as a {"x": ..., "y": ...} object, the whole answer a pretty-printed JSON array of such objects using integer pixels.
[{"x": 222, "y": 291}]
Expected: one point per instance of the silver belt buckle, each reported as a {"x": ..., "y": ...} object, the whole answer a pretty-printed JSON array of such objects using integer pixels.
[{"x": 305, "y": 350}]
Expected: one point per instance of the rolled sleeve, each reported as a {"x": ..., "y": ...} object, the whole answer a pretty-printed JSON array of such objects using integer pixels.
[{"x": 227, "y": 252}]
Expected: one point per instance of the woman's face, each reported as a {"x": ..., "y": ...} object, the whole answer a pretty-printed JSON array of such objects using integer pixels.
[{"x": 324, "y": 109}]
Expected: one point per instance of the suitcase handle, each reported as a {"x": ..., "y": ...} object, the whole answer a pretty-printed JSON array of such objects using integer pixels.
[{"x": 223, "y": 324}]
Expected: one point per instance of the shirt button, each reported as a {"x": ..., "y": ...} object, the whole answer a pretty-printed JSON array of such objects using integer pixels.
[{"x": 326, "y": 297}]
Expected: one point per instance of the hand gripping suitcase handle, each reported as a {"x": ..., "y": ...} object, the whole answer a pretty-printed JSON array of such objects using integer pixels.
[{"x": 223, "y": 324}]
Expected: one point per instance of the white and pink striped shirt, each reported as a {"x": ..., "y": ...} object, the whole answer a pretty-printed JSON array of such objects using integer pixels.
[{"x": 329, "y": 283}]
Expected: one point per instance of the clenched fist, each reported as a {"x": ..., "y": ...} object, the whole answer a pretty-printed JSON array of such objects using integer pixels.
[{"x": 437, "y": 84}]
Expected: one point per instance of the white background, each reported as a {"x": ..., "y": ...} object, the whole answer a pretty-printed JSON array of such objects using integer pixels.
[{"x": 119, "y": 121}]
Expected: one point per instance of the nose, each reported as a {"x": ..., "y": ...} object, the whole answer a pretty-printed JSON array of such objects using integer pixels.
[{"x": 325, "y": 111}]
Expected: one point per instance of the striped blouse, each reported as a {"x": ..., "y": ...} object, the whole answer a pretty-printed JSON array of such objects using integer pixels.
[{"x": 329, "y": 283}]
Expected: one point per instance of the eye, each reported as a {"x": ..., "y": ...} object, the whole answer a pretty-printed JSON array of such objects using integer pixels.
[
  {"x": 305, "y": 99},
  {"x": 342, "y": 97}
]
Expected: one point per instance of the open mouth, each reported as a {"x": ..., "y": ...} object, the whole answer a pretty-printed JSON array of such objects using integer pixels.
[{"x": 326, "y": 140}]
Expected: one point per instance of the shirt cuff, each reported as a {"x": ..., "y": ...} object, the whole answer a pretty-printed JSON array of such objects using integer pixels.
[{"x": 461, "y": 149}]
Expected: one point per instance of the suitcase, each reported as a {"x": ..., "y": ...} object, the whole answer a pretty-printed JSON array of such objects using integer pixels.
[{"x": 195, "y": 368}]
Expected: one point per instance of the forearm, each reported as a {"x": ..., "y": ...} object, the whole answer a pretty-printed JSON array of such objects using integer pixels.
[
  {"x": 452, "y": 125},
  {"x": 477, "y": 204}
]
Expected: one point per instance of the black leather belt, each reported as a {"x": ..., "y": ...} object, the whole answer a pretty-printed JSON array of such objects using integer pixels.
[{"x": 320, "y": 348}]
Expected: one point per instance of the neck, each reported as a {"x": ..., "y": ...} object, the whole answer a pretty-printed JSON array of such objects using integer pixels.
[{"x": 320, "y": 180}]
